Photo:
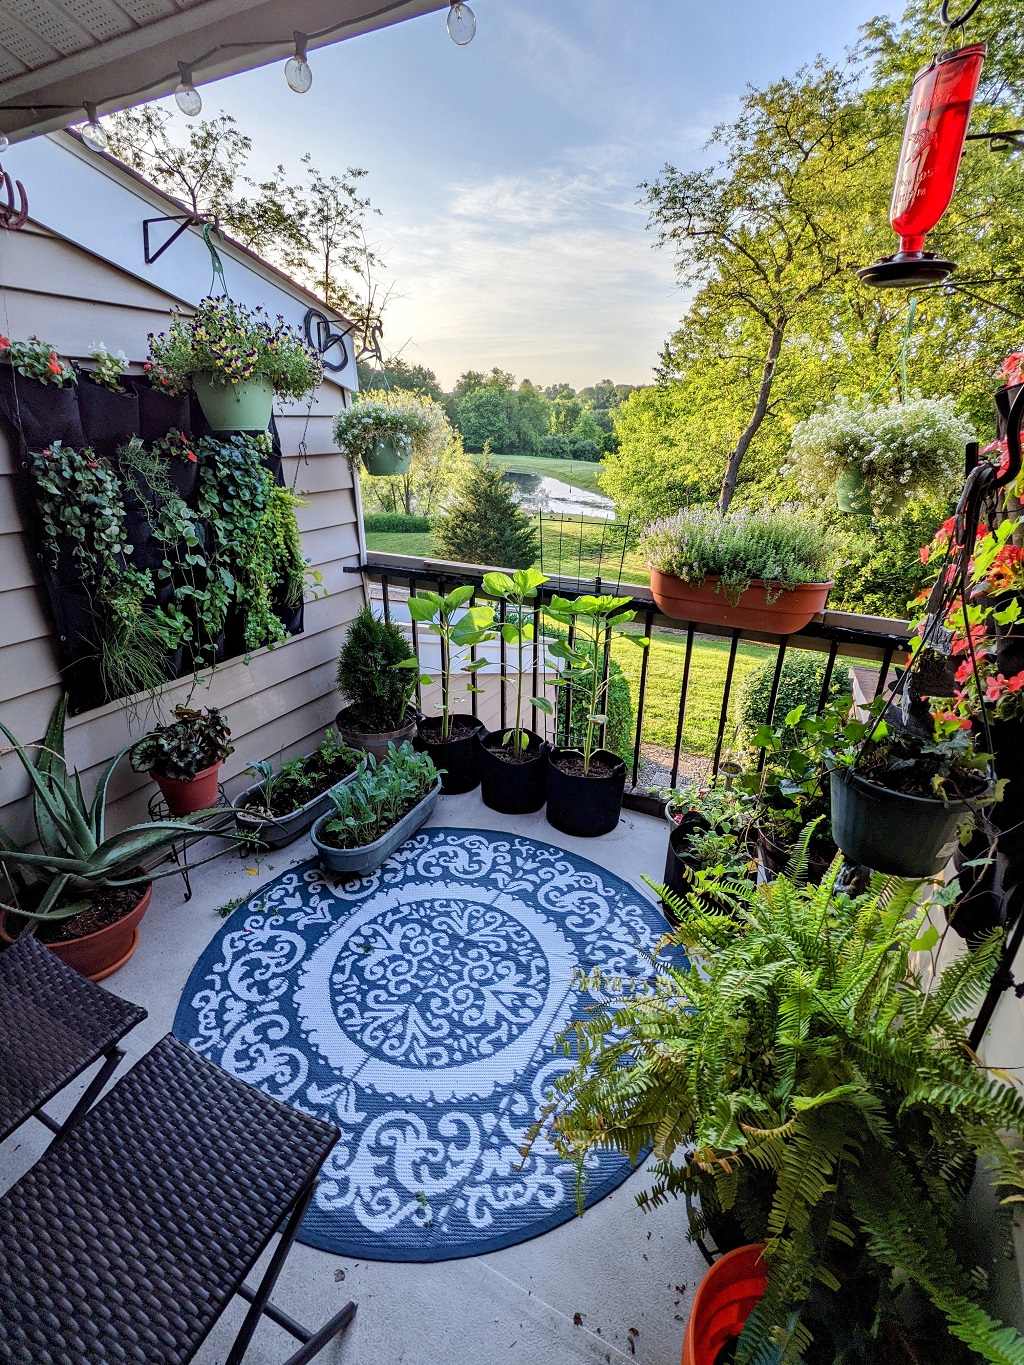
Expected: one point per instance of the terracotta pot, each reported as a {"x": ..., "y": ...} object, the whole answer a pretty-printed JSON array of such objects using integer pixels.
[
  {"x": 185, "y": 798},
  {"x": 97, "y": 955},
  {"x": 727, "y": 1296},
  {"x": 790, "y": 611}
]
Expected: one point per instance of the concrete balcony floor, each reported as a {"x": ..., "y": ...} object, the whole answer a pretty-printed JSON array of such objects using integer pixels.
[{"x": 614, "y": 1285}]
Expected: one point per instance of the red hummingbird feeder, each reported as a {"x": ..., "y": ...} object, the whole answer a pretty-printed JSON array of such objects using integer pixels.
[{"x": 933, "y": 143}]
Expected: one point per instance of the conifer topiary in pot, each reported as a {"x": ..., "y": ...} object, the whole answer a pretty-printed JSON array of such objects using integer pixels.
[
  {"x": 378, "y": 692},
  {"x": 747, "y": 570},
  {"x": 513, "y": 761},
  {"x": 451, "y": 740},
  {"x": 235, "y": 359},
  {"x": 585, "y": 787},
  {"x": 184, "y": 758},
  {"x": 800, "y": 1078}
]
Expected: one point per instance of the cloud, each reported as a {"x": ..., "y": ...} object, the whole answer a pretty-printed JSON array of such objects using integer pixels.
[{"x": 549, "y": 274}]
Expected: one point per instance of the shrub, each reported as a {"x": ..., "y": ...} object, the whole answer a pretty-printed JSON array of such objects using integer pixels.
[
  {"x": 484, "y": 523},
  {"x": 377, "y": 691},
  {"x": 778, "y": 544},
  {"x": 799, "y": 685},
  {"x": 554, "y": 447},
  {"x": 583, "y": 448},
  {"x": 899, "y": 449},
  {"x": 393, "y": 522}
]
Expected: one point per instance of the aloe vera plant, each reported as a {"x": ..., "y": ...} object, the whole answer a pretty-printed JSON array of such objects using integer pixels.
[
  {"x": 77, "y": 853},
  {"x": 516, "y": 591}
]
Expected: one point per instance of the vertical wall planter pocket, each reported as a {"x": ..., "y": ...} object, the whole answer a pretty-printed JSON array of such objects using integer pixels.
[
  {"x": 160, "y": 412},
  {"x": 42, "y": 413},
  {"x": 109, "y": 419}
]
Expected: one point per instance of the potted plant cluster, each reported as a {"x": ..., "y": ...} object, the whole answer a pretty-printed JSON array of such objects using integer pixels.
[
  {"x": 710, "y": 836},
  {"x": 814, "y": 1101},
  {"x": 747, "y": 570},
  {"x": 378, "y": 693},
  {"x": 380, "y": 434},
  {"x": 513, "y": 761},
  {"x": 41, "y": 393},
  {"x": 879, "y": 456},
  {"x": 451, "y": 738},
  {"x": 235, "y": 359},
  {"x": 286, "y": 802},
  {"x": 585, "y": 786},
  {"x": 381, "y": 807},
  {"x": 185, "y": 757},
  {"x": 83, "y": 890}
]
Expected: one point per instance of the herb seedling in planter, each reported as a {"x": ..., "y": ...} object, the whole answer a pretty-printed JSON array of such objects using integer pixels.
[
  {"x": 451, "y": 740},
  {"x": 381, "y": 807},
  {"x": 285, "y": 802},
  {"x": 513, "y": 762},
  {"x": 585, "y": 788},
  {"x": 185, "y": 757},
  {"x": 710, "y": 832}
]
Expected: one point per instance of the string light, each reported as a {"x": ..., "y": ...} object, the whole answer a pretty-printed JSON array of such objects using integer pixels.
[
  {"x": 93, "y": 134},
  {"x": 461, "y": 23},
  {"x": 5, "y": 141},
  {"x": 296, "y": 69},
  {"x": 186, "y": 96}
]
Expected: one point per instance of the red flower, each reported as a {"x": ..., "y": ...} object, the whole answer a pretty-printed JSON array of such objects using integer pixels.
[
  {"x": 994, "y": 687},
  {"x": 5, "y": 343},
  {"x": 1016, "y": 683},
  {"x": 964, "y": 671},
  {"x": 190, "y": 455}
]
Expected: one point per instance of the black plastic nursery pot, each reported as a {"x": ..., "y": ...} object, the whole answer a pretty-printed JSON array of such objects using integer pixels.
[
  {"x": 513, "y": 785},
  {"x": 457, "y": 759},
  {"x": 585, "y": 804},
  {"x": 892, "y": 832},
  {"x": 775, "y": 858},
  {"x": 679, "y": 866}
]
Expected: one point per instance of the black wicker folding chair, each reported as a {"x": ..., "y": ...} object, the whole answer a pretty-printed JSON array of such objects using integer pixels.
[
  {"x": 54, "y": 1025},
  {"x": 129, "y": 1237}
]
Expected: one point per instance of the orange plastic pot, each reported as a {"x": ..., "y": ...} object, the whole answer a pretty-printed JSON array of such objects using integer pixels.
[
  {"x": 789, "y": 610},
  {"x": 727, "y": 1296},
  {"x": 185, "y": 798}
]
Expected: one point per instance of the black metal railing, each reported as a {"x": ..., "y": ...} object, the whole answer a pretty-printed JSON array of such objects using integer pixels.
[{"x": 871, "y": 642}]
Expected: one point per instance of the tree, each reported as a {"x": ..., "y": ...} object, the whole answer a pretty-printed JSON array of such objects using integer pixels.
[
  {"x": 439, "y": 461},
  {"x": 530, "y": 411},
  {"x": 484, "y": 523},
  {"x": 397, "y": 373},
  {"x": 483, "y": 419},
  {"x": 759, "y": 236}
]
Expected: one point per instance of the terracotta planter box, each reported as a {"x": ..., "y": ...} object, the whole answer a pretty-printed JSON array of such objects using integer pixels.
[
  {"x": 100, "y": 954},
  {"x": 791, "y": 610}
]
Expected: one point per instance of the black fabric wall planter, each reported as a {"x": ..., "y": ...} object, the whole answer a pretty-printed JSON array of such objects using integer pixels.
[
  {"x": 109, "y": 419},
  {"x": 147, "y": 552},
  {"x": 40, "y": 413},
  {"x": 160, "y": 412},
  {"x": 291, "y": 617},
  {"x": 184, "y": 478}
]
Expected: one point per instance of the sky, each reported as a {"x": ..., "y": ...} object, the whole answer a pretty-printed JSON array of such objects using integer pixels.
[{"x": 507, "y": 171}]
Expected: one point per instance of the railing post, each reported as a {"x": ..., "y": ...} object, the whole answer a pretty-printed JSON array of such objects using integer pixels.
[{"x": 642, "y": 695}]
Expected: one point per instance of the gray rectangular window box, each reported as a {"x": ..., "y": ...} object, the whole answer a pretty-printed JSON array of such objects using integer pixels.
[
  {"x": 360, "y": 862},
  {"x": 285, "y": 829}
]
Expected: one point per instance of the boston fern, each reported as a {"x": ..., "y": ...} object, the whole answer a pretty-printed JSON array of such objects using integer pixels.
[{"x": 806, "y": 1083}]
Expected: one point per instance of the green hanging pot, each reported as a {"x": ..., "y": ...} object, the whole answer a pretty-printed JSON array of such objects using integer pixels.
[
  {"x": 245, "y": 406},
  {"x": 852, "y": 493},
  {"x": 388, "y": 458}
]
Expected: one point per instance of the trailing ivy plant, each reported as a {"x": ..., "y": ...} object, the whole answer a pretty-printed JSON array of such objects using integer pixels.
[
  {"x": 290, "y": 567},
  {"x": 800, "y": 1078}
]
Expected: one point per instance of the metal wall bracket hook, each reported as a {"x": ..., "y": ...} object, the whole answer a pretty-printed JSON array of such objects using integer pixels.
[
  {"x": 185, "y": 221},
  {"x": 12, "y": 218}
]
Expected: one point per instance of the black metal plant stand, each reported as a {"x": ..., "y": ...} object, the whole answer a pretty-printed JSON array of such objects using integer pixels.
[{"x": 178, "y": 850}]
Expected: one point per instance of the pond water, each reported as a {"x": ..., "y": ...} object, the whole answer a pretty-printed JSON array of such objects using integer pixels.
[{"x": 540, "y": 493}]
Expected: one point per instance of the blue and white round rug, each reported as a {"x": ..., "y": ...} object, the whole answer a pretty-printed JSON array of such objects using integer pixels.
[{"x": 417, "y": 1011}]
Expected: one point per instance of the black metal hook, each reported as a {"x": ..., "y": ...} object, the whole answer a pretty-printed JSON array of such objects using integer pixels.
[
  {"x": 10, "y": 217},
  {"x": 960, "y": 19}
]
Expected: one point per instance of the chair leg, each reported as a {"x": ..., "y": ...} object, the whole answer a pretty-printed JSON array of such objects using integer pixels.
[
  {"x": 261, "y": 1296},
  {"x": 327, "y": 1333},
  {"x": 112, "y": 1059}
]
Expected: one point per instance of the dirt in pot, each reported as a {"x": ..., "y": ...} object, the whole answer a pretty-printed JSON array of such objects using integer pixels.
[
  {"x": 573, "y": 766},
  {"x": 108, "y": 905},
  {"x": 462, "y": 727},
  {"x": 508, "y": 754},
  {"x": 900, "y": 764},
  {"x": 301, "y": 780}
]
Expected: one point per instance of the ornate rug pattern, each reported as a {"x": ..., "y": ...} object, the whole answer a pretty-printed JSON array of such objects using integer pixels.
[{"x": 417, "y": 1011}]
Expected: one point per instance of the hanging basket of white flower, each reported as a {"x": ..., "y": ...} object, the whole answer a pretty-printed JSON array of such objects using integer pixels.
[
  {"x": 380, "y": 435},
  {"x": 876, "y": 457}
]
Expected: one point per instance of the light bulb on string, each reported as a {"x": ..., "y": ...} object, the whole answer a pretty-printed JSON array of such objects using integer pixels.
[
  {"x": 461, "y": 23},
  {"x": 94, "y": 135},
  {"x": 5, "y": 141},
  {"x": 186, "y": 96},
  {"x": 297, "y": 70}
]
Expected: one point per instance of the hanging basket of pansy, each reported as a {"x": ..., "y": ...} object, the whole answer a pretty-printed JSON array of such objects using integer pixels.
[{"x": 235, "y": 359}]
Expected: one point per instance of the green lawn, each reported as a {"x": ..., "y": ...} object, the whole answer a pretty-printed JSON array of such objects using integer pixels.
[
  {"x": 571, "y": 549},
  {"x": 706, "y": 687},
  {"x": 580, "y": 473}
]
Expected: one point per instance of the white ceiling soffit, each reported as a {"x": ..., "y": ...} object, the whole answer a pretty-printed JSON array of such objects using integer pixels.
[{"x": 55, "y": 55}]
